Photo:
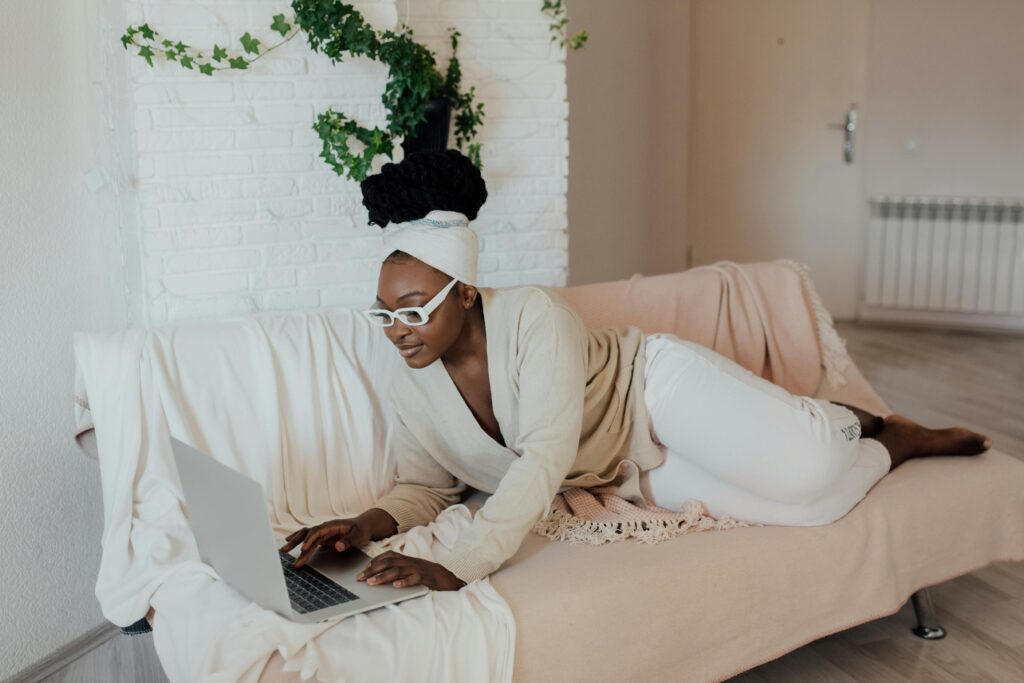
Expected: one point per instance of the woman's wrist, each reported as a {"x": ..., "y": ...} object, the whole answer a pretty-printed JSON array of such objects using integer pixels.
[{"x": 379, "y": 523}]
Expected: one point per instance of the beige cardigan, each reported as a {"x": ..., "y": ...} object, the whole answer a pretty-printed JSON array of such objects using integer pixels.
[{"x": 569, "y": 401}]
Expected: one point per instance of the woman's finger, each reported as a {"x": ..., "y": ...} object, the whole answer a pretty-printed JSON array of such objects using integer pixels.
[
  {"x": 327, "y": 531},
  {"x": 301, "y": 559},
  {"x": 308, "y": 548},
  {"x": 387, "y": 575},
  {"x": 344, "y": 540},
  {"x": 384, "y": 556},
  {"x": 413, "y": 578},
  {"x": 388, "y": 558},
  {"x": 293, "y": 539},
  {"x": 289, "y": 544},
  {"x": 314, "y": 539},
  {"x": 379, "y": 564}
]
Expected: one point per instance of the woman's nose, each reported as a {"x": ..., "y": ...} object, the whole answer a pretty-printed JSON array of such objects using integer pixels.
[{"x": 396, "y": 331}]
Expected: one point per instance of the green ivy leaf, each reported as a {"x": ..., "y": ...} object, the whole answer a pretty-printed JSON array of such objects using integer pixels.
[
  {"x": 206, "y": 69},
  {"x": 219, "y": 53},
  {"x": 180, "y": 46},
  {"x": 146, "y": 54},
  {"x": 280, "y": 25},
  {"x": 147, "y": 32},
  {"x": 250, "y": 44},
  {"x": 238, "y": 63},
  {"x": 186, "y": 61},
  {"x": 126, "y": 40}
]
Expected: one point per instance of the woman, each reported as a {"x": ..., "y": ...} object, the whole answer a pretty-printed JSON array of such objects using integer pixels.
[{"x": 507, "y": 391}]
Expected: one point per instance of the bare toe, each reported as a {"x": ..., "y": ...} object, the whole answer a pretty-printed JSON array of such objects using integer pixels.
[{"x": 960, "y": 441}]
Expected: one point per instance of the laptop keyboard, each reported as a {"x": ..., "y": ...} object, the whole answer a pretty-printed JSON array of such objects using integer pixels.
[{"x": 310, "y": 590}]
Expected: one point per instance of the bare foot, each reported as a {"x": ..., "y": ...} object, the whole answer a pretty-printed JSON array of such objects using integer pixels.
[{"x": 904, "y": 439}]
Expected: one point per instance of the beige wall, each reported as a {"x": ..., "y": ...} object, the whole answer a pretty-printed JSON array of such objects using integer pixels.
[
  {"x": 944, "y": 113},
  {"x": 669, "y": 23},
  {"x": 627, "y": 138}
]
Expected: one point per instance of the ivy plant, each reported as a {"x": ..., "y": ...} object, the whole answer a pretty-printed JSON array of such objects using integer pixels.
[
  {"x": 560, "y": 25},
  {"x": 336, "y": 29}
]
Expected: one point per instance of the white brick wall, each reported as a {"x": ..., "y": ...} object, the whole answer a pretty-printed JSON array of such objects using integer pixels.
[{"x": 234, "y": 212}]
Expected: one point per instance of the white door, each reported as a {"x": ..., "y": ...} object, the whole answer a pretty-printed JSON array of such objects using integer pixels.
[{"x": 772, "y": 83}]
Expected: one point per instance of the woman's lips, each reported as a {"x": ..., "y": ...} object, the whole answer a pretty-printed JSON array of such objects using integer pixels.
[{"x": 410, "y": 351}]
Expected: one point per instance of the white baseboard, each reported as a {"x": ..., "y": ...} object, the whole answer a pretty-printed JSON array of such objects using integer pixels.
[
  {"x": 943, "y": 319},
  {"x": 61, "y": 657}
]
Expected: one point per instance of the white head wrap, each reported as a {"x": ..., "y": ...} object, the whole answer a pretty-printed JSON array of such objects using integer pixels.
[{"x": 442, "y": 239}]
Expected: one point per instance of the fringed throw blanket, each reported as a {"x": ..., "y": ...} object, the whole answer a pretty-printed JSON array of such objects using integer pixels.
[
  {"x": 766, "y": 316},
  {"x": 578, "y": 516}
]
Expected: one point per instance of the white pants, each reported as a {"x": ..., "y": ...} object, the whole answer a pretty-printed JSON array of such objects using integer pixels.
[{"x": 746, "y": 447}]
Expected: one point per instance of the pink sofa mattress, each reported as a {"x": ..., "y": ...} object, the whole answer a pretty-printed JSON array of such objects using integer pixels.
[{"x": 708, "y": 605}]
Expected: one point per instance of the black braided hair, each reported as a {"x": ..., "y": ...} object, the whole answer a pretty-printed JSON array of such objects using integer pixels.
[{"x": 423, "y": 182}]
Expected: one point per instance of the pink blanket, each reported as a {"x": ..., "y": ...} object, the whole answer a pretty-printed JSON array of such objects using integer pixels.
[{"x": 766, "y": 316}]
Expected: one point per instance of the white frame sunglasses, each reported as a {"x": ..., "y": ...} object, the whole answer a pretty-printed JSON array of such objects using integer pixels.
[{"x": 424, "y": 311}]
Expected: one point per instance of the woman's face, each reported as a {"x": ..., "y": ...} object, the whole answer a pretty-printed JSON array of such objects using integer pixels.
[{"x": 411, "y": 282}]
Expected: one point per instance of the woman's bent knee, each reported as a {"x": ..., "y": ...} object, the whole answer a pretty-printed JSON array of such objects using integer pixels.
[
  {"x": 810, "y": 465},
  {"x": 822, "y": 454}
]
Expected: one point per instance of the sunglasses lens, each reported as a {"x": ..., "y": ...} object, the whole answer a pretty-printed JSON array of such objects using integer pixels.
[
  {"x": 382, "y": 319},
  {"x": 412, "y": 318}
]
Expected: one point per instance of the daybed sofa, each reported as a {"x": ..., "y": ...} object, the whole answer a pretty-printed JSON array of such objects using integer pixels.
[{"x": 708, "y": 605}]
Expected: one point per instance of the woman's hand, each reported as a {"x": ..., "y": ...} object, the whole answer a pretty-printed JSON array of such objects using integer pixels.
[
  {"x": 403, "y": 571},
  {"x": 340, "y": 534}
]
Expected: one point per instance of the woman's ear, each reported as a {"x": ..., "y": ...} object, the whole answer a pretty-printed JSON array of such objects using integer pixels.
[{"x": 468, "y": 293}]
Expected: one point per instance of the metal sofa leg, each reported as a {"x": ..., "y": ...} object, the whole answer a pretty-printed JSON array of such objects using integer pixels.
[{"x": 927, "y": 623}]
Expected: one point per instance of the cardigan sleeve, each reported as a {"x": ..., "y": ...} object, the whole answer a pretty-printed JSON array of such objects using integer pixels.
[
  {"x": 423, "y": 487},
  {"x": 552, "y": 362}
]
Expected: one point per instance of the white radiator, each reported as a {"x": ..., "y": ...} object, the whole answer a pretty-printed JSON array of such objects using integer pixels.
[{"x": 946, "y": 261}]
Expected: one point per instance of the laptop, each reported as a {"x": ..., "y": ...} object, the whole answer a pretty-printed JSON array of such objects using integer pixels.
[{"x": 229, "y": 518}]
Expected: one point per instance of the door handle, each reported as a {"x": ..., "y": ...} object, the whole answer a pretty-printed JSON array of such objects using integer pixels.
[{"x": 848, "y": 129}]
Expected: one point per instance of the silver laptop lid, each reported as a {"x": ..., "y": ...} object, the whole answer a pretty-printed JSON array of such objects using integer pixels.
[{"x": 228, "y": 513}]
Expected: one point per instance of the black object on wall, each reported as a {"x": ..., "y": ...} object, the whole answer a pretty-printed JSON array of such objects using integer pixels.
[{"x": 431, "y": 134}]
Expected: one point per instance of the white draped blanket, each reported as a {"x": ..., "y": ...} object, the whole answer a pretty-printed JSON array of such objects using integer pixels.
[{"x": 295, "y": 401}]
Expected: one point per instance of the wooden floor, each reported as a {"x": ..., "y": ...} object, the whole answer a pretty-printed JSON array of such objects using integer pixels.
[{"x": 939, "y": 379}]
